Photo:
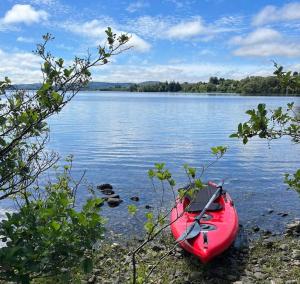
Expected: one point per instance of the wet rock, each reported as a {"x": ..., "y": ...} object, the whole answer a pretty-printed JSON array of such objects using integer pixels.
[
  {"x": 107, "y": 191},
  {"x": 270, "y": 211},
  {"x": 148, "y": 206},
  {"x": 296, "y": 254},
  {"x": 255, "y": 228},
  {"x": 114, "y": 202},
  {"x": 135, "y": 198}
]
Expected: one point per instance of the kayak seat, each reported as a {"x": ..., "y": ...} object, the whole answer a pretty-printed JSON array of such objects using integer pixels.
[{"x": 201, "y": 198}]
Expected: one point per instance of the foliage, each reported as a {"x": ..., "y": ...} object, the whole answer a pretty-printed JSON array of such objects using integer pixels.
[
  {"x": 274, "y": 124},
  {"x": 249, "y": 85},
  {"x": 47, "y": 236},
  {"x": 155, "y": 221},
  {"x": 156, "y": 87},
  {"x": 23, "y": 128}
]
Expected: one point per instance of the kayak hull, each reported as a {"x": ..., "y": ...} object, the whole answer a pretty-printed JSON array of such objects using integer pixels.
[{"x": 216, "y": 241}]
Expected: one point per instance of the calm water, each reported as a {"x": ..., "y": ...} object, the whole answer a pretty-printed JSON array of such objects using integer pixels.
[{"x": 117, "y": 137}]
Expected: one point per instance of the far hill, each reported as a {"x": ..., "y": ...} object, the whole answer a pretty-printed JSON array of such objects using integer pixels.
[{"x": 93, "y": 86}]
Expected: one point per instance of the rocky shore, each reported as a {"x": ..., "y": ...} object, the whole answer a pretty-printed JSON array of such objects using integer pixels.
[{"x": 272, "y": 259}]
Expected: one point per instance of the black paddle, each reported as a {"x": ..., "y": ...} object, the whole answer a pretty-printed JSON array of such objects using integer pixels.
[{"x": 195, "y": 229}]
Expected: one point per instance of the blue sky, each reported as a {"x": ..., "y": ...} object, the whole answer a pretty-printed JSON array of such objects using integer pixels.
[{"x": 188, "y": 40}]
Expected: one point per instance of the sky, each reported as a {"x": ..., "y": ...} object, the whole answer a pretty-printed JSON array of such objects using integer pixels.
[{"x": 185, "y": 41}]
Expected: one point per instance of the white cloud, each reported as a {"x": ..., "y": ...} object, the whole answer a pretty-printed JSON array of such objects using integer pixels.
[
  {"x": 20, "y": 67},
  {"x": 149, "y": 27},
  {"x": 135, "y": 6},
  {"x": 25, "y": 39},
  {"x": 265, "y": 42},
  {"x": 187, "y": 29},
  {"x": 269, "y": 49},
  {"x": 261, "y": 35},
  {"x": 96, "y": 30},
  {"x": 23, "y": 14},
  {"x": 270, "y": 14}
]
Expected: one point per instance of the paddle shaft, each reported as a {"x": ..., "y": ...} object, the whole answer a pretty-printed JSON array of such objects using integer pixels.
[{"x": 211, "y": 200}]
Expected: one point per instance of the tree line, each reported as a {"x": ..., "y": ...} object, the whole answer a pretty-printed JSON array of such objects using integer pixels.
[{"x": 249, "y": 85}]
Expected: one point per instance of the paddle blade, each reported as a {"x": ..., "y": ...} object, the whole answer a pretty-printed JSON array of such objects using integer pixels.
[{"x": 191, "y": 232}]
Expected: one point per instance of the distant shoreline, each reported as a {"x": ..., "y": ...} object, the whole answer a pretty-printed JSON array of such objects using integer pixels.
[{"x": 186, "y": 93}]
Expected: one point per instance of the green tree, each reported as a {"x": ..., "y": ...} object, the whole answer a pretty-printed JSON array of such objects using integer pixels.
[{"x": 47, "y": 234}]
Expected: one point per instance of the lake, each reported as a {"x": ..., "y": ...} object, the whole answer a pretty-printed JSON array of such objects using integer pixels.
[{"x": 117, "y": 137}]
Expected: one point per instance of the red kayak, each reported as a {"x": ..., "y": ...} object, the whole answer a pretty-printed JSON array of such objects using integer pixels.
[{"x": 219, "y": 226}]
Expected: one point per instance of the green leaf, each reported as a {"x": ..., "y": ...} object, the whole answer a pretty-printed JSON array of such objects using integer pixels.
[
  {"x": 234, "y": 135},
  {"x": 149, "y": 226},
  {"x": 149, "y": 215},
  {"x": 55, "y": 225},
  {"x": 172, "y": 182},
  {"x": 132, "y": 209},
  {"x": 240, "y": 128},
  {"x": 151, "y": 173},
  {"x": 198, "y": 183}
]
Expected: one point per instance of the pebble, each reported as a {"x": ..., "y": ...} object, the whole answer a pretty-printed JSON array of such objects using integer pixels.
[
  {"x": 157, "y": 248},
  {"x": 259, "y": 275},
  {"x": 296, "y": 254},
  {"x": 196, "y": 275},
  {"x": 92, "y": 279},
  {"x": 268, "y": 242},
  {"x": 284, "y": 247},
  {"x": 293, "y": 227},
  {"x": 231, "y": 277}
]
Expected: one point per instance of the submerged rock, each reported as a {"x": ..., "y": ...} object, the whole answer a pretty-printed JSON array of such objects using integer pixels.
[
  {"x": 114, "y": 202},
  {"x": 135, "y": 198}
]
